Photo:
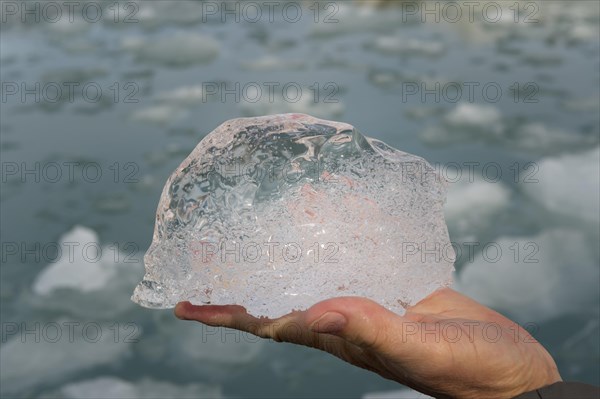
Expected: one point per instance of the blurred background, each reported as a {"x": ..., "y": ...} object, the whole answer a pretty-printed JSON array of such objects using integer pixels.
[{"x": 101, "y": 101}]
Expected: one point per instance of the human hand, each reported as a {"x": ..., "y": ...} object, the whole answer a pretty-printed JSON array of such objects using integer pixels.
[{"x": 447, "y": 345}]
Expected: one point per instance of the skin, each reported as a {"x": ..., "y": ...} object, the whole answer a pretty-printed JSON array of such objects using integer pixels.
[{"x": 447, "y": 345}]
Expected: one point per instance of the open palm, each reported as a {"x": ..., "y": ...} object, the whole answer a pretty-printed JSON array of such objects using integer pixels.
[{"x": 447, "y": 345}]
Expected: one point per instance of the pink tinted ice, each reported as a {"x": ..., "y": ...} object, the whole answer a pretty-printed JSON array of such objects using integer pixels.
[{"x": 276, "y": 213}]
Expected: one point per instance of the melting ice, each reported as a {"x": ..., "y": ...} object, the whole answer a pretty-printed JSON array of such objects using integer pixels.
[{"x": 276, "y": 213}]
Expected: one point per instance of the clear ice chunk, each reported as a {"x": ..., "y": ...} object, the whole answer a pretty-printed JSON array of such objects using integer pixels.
[{"x": 276, "y": 213}]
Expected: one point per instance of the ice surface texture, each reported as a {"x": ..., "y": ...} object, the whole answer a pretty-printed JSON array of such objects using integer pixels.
[{"x": 276, "y": 213}]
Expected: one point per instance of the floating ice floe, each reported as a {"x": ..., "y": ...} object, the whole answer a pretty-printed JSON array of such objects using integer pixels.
[
  {"x": 68, "y": 272},
  {"x": 301, "y": 101},
  {"x": 272, "y": 63},
  {"x": 575, "y": 22},
  {"x": 156, "y": 14},
  {"x": 582, "y": 33},
  {"x": 472, "y": 206},
  {"x": 474, "y": 116},
  {"x": 160, "y": 114},
  {"x": 65, "y": 27},
  {"x": 536, "y": 278},
  {"x": 116, "y": 388},
  {"x": 224, "y": 347},
  {"x": 393, "y": 78},
  {"x": 87, "y": 278},
  {"x": 184, "y": 95},
  {"x": 536, "y": 136},
  {"x": 465, "y": 122},
  {"x": 172, "y": 105},
  {"x": 348, "y": 19},
  {"x": 402, "y": 45},
  {"x": 473, "y": 122},
  {"x": 176, "y": 49},
  {"x": 210, "y": 352},
  {"x": 568, "y": 185},
  {"x": 422, "y": 112},
  {"x": 27, "y": 364},
  {"x": 585, "y": 104}
]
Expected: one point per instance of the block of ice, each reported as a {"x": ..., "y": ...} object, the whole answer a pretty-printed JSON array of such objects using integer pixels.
[{"x": 276, "y": 213}]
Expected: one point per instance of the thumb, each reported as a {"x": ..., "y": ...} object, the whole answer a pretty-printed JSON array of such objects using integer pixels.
[{"x": 357, "y": 320}]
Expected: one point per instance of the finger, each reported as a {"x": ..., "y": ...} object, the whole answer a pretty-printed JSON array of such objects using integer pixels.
[
  {"x": 231, "y": 316},
  {"x": 359, "y": 321},
  {"x": 207, "y": 314},
  {"x": 289, "y": 328}
]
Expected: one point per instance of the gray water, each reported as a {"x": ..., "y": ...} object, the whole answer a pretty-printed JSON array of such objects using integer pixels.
[{"x": 360, "y": 63}]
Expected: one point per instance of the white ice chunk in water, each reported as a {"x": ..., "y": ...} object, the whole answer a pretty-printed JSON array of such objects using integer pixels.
[
  {"x": 472, "y": 206},
  {"x": 80, "y": 269},
  {"x": 185, "y": 95},
  {"x": 568, "y": 185},
  {"x": 156, "y": 14},
  {"x": 220, "y": 351},
  {"x": 555, "y": 273},
  {"x": 402, "y": 45},
  {"x": 178, "y": 49},
  {"x": 466, "y": 122},
  {"x": 87, "y": 276},
  {"x": 300, "y": 100},
  {"x": 474, "y": 116},
  {"x": 272, "y": 63},
  {"x": 350, "y": 19},
  {"x": 536, "y": 135},
  {"x": 472, "y": 122},
  {"x": 161, "y": 114},
  {"x": 49, "y": 360},
  {"x": 116, "y": 388},
  {"x": 276, "y": 213},
  {"x": 104, "y": 387}
]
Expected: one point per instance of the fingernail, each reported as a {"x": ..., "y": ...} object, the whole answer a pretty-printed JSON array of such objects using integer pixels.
[{"x": 329, "y": 323}]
